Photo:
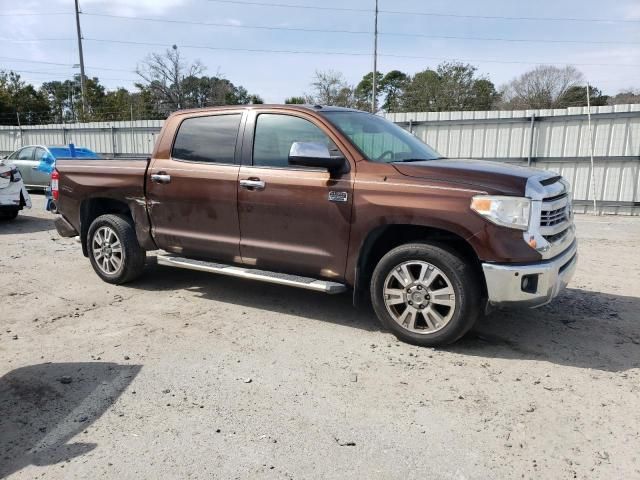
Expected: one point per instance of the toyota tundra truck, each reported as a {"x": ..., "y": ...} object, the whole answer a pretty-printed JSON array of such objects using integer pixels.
[{"x": 327, "y": 199}]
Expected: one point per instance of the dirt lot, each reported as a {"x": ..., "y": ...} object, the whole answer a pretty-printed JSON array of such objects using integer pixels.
[{"x": 188, "y": 375}]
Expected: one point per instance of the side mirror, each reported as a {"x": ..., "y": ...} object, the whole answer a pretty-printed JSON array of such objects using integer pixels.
[{"x": 314, "y": 154}]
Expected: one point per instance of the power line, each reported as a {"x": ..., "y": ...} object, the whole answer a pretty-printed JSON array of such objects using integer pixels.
[
  {"x": 428, "y": 14},
  {"x": 64, "y": 64},
  {"x": 357, "y": 54},
  {"x": 33, "y": 14},
  {"x": 341, "y": 53},
  {"x": 62, "y": 75},
  {"x": 288, "y": 5},
  {"x": 215, "y": 24},
  {"x": 35, "y": 40},
  {"x": 359, "y": 32}
]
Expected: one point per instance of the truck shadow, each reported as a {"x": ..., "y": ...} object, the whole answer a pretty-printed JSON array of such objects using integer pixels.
[
  {"x": 44, "y": 406},
  {"x": 26, "y": 223},
  {"x": 580, "y": 328}
]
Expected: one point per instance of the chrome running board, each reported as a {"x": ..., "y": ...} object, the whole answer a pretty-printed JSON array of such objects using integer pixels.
[{"x": 252, "y": 274}]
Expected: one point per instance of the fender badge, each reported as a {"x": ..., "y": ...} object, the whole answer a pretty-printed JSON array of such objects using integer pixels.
[{"x": 338, "y": 196}]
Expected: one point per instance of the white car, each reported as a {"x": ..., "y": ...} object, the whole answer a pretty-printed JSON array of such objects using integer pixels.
[{"x": 13, "y": 194}]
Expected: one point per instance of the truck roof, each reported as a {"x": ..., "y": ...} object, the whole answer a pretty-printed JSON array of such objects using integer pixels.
[{"x": 307, "y": 107}]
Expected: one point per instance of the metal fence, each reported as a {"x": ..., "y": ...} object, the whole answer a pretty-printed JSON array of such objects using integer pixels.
[{"x": 556, "y": 140}]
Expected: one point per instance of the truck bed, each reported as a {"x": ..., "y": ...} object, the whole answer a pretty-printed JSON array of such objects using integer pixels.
[{"x": 120, "y": 180}]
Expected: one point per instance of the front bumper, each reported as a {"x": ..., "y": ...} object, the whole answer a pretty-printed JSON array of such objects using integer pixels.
[{"x": 532, "y": 284}]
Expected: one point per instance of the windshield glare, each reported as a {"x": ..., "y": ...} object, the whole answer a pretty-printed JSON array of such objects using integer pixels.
[{"x": 381, "y": 140}]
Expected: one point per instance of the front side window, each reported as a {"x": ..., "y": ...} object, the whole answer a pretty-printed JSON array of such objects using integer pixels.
[
  {"x": 26, "y": 154},
  {"x": 207, "y": 139},
  {"x": 380, "y": 140},
  {"x": 275, "y": 133}
]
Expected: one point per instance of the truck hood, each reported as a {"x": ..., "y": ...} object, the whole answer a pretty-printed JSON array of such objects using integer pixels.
[{"x": 493, "y": 177}]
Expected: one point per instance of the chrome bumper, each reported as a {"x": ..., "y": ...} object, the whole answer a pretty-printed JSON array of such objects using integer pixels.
[{"x": 533, "y": 284}]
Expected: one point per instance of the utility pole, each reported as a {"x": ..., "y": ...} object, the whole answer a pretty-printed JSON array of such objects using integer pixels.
[
  {"x": 82, "y": 77},
  {"x": 374, "y": 107}
]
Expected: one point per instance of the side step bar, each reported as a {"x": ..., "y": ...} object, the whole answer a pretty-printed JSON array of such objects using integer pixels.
[{"x": 252, "y": 274}]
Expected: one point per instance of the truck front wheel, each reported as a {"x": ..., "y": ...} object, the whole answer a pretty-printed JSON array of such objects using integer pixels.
[
  {"x": 113, "y": 248},
  {"x": 425, "y": 294}
]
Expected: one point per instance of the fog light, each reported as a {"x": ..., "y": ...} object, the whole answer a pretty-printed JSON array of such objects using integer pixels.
[{"x": 529, "y": 283}]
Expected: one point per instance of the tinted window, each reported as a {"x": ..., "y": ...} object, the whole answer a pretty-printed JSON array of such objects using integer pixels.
[
  {"x": 26, "y": 154},
  {"x": 275, "y": 134},
  {"x": 207, "y": 139}
]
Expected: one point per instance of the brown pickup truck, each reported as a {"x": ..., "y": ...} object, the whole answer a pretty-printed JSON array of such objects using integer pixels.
[{"x": 327, "y": 199}]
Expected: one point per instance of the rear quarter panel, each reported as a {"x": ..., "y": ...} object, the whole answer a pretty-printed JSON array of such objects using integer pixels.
[{"x": 116, "y": 179}]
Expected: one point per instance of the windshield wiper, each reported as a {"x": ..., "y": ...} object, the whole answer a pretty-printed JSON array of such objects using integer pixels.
[{"x": 413, "y": 160}]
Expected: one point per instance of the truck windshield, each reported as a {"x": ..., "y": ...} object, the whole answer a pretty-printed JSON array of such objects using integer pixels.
[{"x": 380, "y": 140}]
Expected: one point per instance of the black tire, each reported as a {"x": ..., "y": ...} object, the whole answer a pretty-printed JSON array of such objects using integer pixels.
[
  {"x": 9, "y": 214},
  {"x": 462, "y": 277},
  {"x": 132, "y": 256}
]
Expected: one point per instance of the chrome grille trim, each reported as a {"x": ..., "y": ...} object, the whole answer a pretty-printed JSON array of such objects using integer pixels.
[{"x": 551, "y": 223}]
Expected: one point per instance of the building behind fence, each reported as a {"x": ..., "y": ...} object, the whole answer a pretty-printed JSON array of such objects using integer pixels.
[{"x": 556, "y": 140}]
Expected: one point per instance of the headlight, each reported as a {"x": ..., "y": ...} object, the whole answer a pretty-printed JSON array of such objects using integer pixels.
[{"x": 511, "y": 212}]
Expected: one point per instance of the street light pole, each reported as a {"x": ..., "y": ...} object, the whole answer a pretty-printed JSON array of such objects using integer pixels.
[
  {"x": 374, "y": 107},
  {"x": 82, "y": 77}
]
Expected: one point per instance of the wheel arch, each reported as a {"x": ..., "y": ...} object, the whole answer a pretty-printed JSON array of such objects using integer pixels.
[
  {"x": 384, "y": 238},
  {"x": 92, "y": 208}
]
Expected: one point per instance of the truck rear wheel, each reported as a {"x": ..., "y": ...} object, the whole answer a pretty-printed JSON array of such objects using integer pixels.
[
  {"x": 425, "y": 294},
  {"x": 113, "y": 249}
]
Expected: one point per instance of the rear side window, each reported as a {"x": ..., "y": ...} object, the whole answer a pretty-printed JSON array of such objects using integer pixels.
[{"x": 208, "y": 139}]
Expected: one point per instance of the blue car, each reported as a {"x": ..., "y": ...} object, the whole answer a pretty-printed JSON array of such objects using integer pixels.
[{"x": 36, "y": 162}]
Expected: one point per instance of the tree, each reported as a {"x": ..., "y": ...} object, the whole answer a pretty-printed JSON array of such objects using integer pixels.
[
  {"x": 577, "y": 97},
  {"x": 393, "y": 86},
  {"x": 363, "y": 92},
  {"x": 452, "y": 86},
  {"x": 19, "y": 98},
  {"x": 627, "y": 96},
  {"x": 483, "y": 95},
  {"x": 164, "y": 74},
  {"x": 295, "y": 101},
  {"x": 330, "y": 88},
  {"x": 542, "y": 87}
]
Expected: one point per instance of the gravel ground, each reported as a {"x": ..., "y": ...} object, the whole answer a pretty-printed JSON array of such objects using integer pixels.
[{"x": 188, "y": 375}]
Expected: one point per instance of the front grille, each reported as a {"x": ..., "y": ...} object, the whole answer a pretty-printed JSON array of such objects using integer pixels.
[
  {"x": 555, "y": 217},
  {"x": 550, "y": 218},
  {"x": 556, "y": 237}
]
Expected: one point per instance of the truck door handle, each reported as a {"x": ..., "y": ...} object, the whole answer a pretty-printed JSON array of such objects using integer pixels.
[
  {"x": 252, "y": 184},
  {"x": 161, "y": 178}
]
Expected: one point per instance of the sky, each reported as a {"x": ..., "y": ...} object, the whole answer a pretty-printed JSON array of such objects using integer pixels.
[{"x": 35, "y": 32}]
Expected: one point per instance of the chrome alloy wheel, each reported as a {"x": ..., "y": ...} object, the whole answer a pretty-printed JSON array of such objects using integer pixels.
[
  {"x": 107, "y": 250},
  {"x": 419, "y": 297}
]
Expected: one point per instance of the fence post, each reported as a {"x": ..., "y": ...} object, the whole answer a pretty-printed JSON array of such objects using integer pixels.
[
  {"x": 113, "y": 141},
  {"x": 19, "y": 130},
  {"x": 531, "y": 136}
]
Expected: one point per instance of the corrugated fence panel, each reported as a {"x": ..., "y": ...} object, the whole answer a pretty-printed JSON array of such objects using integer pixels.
[{"x": 560, "y": 143}]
